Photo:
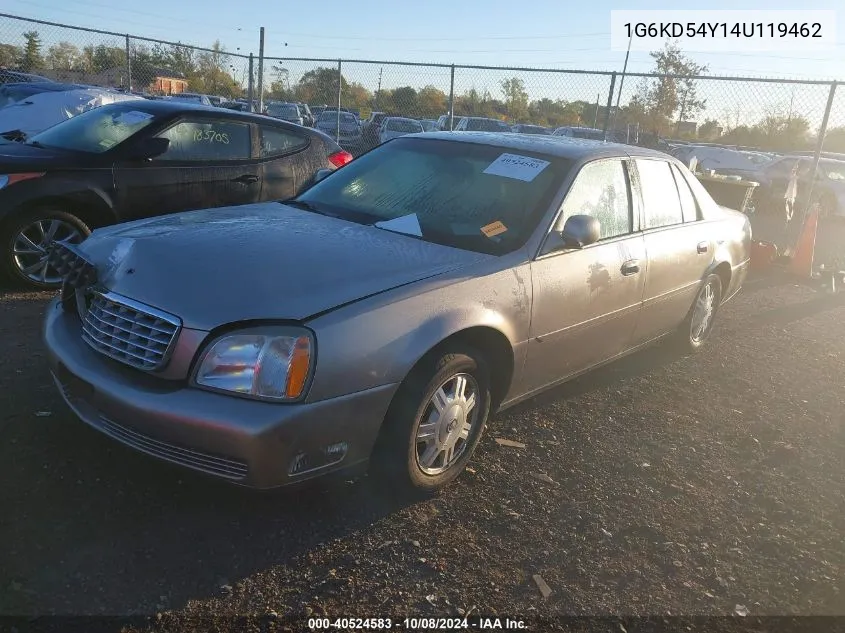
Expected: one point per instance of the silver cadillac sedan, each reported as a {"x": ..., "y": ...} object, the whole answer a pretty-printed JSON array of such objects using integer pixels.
[{"x": 386, "y": 313}]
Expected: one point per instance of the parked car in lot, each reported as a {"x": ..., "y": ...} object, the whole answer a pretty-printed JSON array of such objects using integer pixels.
[
  {"x": 429, "y": 125},
  {"x": 481, "y": 124},
  {"x": 192, "y": 96},
  {"x": 138, "y": 159},
  {"x": 592, "y": 133},
  {"x": 15, "y": 76},
  {"x": 307, "y": 116},
  {"x": 443, "y": 122},
  {"x": 720, "y": 159},
  {"x": 394, "y": 127},
  {"x": 371, "y": 129},
  {"x": 350, "y": 128},
  {"x": 29, "y": 108},
  {"x": 285, "y": 111},
  {"x": 828, "y": 186},
  {"x": 523, "y": 128},
  {"x": 386, "y": 313}
]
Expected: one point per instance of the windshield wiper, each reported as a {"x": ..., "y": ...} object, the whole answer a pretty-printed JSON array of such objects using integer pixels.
[
  {"x": 18, "y": 136},
  {"x": 307, "y": 206}
]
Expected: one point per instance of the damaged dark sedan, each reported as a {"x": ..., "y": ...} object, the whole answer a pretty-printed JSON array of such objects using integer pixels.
[
  {"x": 382, "y": 316},
  {"x": 138, "y": 159}
]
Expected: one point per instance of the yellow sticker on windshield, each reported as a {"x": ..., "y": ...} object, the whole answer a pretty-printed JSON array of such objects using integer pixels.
[{"x": 493, "y": 229}]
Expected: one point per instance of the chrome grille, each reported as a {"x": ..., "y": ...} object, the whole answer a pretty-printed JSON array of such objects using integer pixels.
[
  {"x": 198, "y": 460},
  {"x": 128, "y": 331}
]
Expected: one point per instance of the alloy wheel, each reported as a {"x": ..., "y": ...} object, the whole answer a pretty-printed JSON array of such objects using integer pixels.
[{"x": 29, "y": 248}]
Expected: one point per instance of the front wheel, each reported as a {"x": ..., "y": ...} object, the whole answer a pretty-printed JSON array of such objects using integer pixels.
[
  {"x": 696, "y": 328},
  {"x": 435, "y": 422},
  {"x": 25, "y": 238}
]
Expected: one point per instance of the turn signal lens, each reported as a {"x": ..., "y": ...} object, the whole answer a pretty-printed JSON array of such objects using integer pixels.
[{"x": 300, "y": 361}]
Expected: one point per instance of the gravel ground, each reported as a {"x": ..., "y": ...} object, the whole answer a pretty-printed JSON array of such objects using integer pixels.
[{"x": 689, "y": 486}]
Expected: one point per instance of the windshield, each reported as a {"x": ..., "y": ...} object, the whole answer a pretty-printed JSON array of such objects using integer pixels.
[
  {"x": 96, "y": 131},
  {"x": 466, "y": 195},
  {"x": 403, "y": 125},
  {"x": 283, "y": 109},
  {"x": 185, "y": 97},
  {"x": 487, "y": 125}
]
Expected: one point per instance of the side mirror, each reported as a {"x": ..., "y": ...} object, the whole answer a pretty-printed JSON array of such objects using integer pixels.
[
  {"x": 149, "y": 148},
  {"x": 580, "y": 231}
]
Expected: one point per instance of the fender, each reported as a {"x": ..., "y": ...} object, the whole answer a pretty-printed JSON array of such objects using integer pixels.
[
  {"x": 366, "y": 345},
  {"x": 84, "y": 193}
]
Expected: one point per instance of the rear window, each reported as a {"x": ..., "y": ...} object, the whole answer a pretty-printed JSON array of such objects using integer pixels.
[
  {"x": 282, "y": 109},
  {"x": 403, "y": 125},
  {"x": 487, "y": 125}
]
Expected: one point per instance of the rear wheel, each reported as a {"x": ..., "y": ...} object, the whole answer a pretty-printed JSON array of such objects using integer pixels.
[
  {"x": 24, "y": 240},
  {"x": 435, "y": 422},
  {"x": 696, "y": 328}
]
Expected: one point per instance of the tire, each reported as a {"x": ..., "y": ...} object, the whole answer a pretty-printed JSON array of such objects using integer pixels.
[
  {"x": 688, "y": 337},
  {"x": 36, "y": 225},
  {"x": 399, "y": 458}
]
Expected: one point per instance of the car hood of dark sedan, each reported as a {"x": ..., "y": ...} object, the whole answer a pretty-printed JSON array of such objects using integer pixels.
[
  {"x": 259, "y": 261},
  {"x": 17, "y": 157}
]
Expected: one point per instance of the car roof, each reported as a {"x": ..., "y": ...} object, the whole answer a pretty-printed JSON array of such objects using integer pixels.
[
  {"x": 560, "y": 146},
  {"x": 165, "y": 107},
  {"x": 402, "y": 118}
]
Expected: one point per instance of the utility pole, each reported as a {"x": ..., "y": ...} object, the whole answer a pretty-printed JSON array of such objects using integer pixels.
[
  {"x": 596, "y": 117},
  {"x": 261, "y": 72},
  {"x": 378, "y": 92}
]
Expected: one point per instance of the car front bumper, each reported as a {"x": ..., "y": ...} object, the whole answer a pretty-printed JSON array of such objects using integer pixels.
[{"x": 247, "y": 442}]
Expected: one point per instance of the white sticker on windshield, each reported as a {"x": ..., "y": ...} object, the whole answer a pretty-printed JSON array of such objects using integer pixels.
[
  {"x": 408, "y": 224},
  {"x": 133, "y": 117},
  {"x": 518, "y": 167}
]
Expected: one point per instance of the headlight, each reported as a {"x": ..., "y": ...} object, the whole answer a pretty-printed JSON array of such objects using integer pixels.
[{"x": 263, "y": 363}]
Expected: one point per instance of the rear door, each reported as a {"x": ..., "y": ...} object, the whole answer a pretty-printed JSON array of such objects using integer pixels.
[
  {"x": 587, "y": 301},
  {"x": 209, "y": 164},
  {"x": 285, "y": 162},
  {"x": 678, "y": 246}
]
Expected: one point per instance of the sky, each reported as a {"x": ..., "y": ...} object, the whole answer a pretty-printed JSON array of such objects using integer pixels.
[{"x": 554, "y": 34}]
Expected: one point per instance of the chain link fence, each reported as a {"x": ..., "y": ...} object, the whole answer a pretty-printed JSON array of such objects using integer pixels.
[{"x": 778, "y": 115}]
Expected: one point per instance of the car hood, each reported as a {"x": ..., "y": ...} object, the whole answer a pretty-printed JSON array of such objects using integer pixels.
[
  {"x": 18, "y": 157},
  {"x": 257, "y": 262}
]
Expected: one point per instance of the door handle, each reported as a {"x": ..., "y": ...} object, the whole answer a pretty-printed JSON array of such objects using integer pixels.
[
  {"x": 246, "y": 179},
  {"x": 631, "y": 267},
  {"x": 702, "y": 247}
]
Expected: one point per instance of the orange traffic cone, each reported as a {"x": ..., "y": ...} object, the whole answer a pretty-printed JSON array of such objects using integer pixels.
[{"x": 802, "y": 259}]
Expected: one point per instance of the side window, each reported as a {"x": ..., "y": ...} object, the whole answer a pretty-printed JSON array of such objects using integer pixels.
[
  {"x": 660, "y": 195},
  {"x": 601, "y": 191},
  {"x": 207, "y": 141},
  {"x": 275, "y": 142},
  {"x": 689, "y": 207}
]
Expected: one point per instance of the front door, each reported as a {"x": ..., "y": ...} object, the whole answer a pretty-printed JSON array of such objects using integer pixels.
[
  {"x": 208, "y": 164},
  {"x": 678, "y": 245},
  {"x": 587, "y": 301}
]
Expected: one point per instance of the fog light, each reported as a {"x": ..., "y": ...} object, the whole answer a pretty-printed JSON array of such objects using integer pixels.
[{"x": 307, "y": 462}]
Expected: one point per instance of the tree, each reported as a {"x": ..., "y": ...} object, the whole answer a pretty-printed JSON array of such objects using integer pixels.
[
  {"x": 319, "y": 86},
  {"x": 660, "y": 99},
  {"x": 431, "y": 102},
  {"x": 516, "y": 98},
  {"x": 710, "y": 130},
  {"x": 64, "y": 56},
  {"x": 404, "y": 101},
  {"x": 834, "y": 140},
  {"x": 31, "y": 58},
  {"x": 97, "y": 59},
  {"x": 10, "y": 55},
  {"x": 210, "y": 75}
]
